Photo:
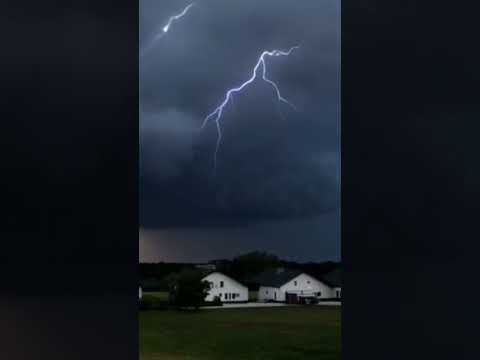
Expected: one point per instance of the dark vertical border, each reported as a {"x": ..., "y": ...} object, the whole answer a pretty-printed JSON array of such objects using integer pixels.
[
  {"x": 410, "y": 176},
  {"x": 69, "y": 243}
]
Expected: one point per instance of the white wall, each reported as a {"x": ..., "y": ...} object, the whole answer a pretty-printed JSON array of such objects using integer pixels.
[
  {"x": 230, "y": 286},
  {"x": 339, "y": 289},
  {"x": 303, "y": 284},
  {"x": 140, "y": 293},
  {"x": 268, "y": 293}
]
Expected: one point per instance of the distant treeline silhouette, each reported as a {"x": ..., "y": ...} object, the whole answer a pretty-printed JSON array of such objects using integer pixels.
[{"x": 153, "y": 276}]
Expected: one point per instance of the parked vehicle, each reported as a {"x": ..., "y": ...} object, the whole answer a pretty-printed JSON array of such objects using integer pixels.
[{"x": 308, "y": 300}]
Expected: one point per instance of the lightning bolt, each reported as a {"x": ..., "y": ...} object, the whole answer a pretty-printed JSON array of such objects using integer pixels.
[
  {"x": 216, "y": 114},
  {"x": 166, "y": 28}
]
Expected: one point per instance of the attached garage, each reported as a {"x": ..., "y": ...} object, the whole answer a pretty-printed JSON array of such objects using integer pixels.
[{"x": 282, "y": 285}]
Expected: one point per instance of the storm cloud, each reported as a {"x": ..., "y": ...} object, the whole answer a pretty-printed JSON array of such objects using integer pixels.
[{"x": 274, "y": 163}]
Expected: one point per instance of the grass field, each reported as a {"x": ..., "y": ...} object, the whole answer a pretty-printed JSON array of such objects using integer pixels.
[
  {"x": 162, "y": 295},
  {"x": 310, "y": 332}
]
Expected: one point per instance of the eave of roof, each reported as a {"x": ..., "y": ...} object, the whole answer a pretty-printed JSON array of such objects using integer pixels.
[{"x": 218, "y": 272}]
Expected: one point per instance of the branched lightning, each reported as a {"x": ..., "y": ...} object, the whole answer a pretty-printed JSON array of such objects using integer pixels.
[
  {"x": 218, "y": 112},
  {"x": 166, "y": 28}
]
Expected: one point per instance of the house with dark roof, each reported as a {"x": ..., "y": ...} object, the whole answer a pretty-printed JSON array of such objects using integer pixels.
[
  {"x": 333, "y": 279},
  {"x": 283, "y": 285}
]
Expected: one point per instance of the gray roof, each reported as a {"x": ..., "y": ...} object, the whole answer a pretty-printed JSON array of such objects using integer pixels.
[
  {"x": 276, "y": 277},
  {"x": 207, "y": 273},
  {"x": 333, "y": 278}
]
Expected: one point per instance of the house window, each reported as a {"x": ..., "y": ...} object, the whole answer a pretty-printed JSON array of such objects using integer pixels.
[
  {"x": 338, "y": 293},
  {"x": 308, "y": 281},
  {"x": 221, "y": 284},
  {"x": 319, "y": 293},
  {"x": 234, "y": 296},
  {"x": 220, "y": 295},
  {"x": 295, "y": 283}
]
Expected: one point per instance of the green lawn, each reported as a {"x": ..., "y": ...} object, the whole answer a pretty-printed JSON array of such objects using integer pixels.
[
  {"x": 310, "y": 332},
  {"x": 163, "y": 295}
]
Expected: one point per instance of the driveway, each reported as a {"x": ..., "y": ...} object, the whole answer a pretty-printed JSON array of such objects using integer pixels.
[{"x": 263, "y": 305}]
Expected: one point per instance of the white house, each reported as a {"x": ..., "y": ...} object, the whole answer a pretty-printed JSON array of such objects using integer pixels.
[
  {"x": 140, "y": 293},
  {"x": 276, "y": 284},
  {"x": 333, "y": 278},
  {"x": 225, "y": 288}
]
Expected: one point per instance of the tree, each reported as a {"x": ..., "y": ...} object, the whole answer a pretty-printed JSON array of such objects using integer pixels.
[
  {"x": 187, "y": 289},
  {"x": 253, "y": 263}
]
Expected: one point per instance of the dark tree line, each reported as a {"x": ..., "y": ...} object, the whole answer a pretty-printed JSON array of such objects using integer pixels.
[{"x": 155, "y": 276}]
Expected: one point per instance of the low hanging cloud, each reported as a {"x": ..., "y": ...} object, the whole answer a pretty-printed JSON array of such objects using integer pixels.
[
  {"x": 166, "y": 141},
  {"x": 264, "y": 173}
]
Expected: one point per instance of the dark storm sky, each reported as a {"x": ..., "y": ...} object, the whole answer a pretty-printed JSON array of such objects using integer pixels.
[{"x": 278, "y": 177}]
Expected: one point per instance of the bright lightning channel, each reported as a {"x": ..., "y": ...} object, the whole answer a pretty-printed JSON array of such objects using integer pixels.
[
  {"x": 176, "y": 17},
  {"x": 218, "y": 112},
  {"x": 165, "y": 29}
]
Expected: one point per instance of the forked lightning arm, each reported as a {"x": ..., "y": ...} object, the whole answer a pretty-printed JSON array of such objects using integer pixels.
[{"x": 216, "y": 115}]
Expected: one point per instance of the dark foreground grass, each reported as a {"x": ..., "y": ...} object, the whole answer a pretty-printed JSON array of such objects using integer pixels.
[
  {"x": 162, "y": 295},
  {"x": 310, "y": 332}
]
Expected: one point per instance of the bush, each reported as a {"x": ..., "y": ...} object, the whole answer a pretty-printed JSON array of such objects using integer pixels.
[
  {"x": 216, "y": 302},
  {"x": 149, "y": 302},
  {"x": 210, "y": 303},
  {"x": 188, "y": 289}
]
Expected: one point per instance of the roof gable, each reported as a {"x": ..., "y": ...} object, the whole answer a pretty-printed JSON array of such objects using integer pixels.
[
  {"x": 333, "y": 278},
  {"x": 222, "y": 274},
  {"x": 276, "y": 277}
]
